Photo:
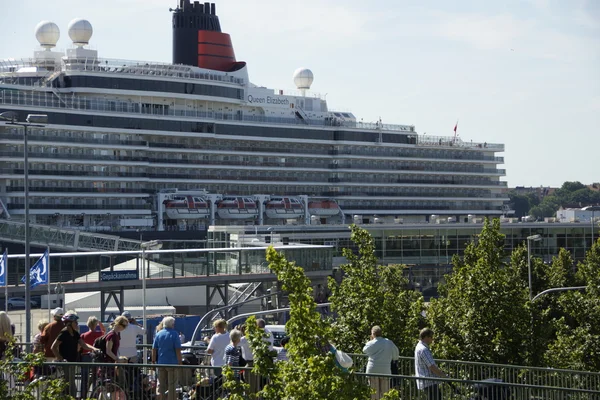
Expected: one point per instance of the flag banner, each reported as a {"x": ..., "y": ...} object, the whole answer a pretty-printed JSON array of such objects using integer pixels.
[
  {"x": 38, "y": 274},
  {"x": 3, "y": 269}
]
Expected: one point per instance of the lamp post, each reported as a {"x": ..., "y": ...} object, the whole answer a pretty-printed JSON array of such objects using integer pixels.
[
  {"x": 535, "y": 238},
  {"x": 151, "y": 245},
  {"x": 33, "y": 120}
]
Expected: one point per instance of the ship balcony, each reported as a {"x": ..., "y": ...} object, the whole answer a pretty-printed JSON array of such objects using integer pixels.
[{"x": 98, "y": 104}]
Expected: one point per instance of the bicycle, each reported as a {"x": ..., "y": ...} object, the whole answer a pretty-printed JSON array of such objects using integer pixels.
[{"x": 104, "y": 387}]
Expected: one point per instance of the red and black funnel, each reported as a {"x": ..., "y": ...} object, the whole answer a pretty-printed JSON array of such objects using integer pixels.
[{"x": 198, "y": 40}]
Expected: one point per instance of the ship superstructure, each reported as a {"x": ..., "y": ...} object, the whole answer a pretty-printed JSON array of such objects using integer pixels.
[{"x": 157, "y": 146}]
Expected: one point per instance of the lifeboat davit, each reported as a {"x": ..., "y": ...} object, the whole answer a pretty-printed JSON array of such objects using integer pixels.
[
  {"x": 187, "y": 207},
  {"x": 237, "y": 208},
  {"x": 324, "y": 208},
  {"x": 284, "y": 207}
]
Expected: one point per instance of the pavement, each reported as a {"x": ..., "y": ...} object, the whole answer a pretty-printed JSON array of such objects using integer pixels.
[{"x": 17, "y": 317}]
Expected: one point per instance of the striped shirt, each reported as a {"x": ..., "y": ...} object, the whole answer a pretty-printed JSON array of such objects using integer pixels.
[
  {"x": 232, "y": 357},
  {"x": 424, "y": 360}
]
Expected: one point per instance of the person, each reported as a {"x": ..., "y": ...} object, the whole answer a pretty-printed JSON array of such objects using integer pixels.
[
  {"x": 6, "y": 334},
  {"x": 51, "y": 332},
  {"x": 217, "y": 344},
  {"x": 95, "y": 330},
  {"x": 166, "y": 350},
  {"x": 251, "y": 378},
  {"x": 37, "y": 339},
  {"x": 181, "y": 337},
  {"x": 245, "y": 347},
  {"x": 381, "y": 352},
  {"x": 66, "y": 345},
  {"x": 129, "y": 335},
  {"x": 233, "y": 352},
  {"x": 282, "y": 352},
  {"x": 425, "y": 366},
  {"x": 113, "y": 340},
  {"x": 268, "y": 334}
]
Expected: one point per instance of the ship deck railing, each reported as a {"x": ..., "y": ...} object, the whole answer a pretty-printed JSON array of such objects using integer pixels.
[
  {"x": 72, "y": 102},
  {"x": 117, "y": 66}
]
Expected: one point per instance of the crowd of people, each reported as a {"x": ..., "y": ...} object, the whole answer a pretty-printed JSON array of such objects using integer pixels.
[{"x": 60, "y": 340}]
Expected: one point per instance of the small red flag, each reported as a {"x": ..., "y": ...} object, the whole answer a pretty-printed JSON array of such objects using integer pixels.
[{"x": 455, "y": 126}]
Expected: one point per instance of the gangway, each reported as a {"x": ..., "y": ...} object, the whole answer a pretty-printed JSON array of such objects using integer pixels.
[
  {"x": 63, "y": 238},
  {"x": 240, "y": 297}
]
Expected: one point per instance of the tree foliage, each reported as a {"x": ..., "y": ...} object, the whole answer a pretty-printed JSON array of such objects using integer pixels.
[
  {"x": 373, "y": 295},
  {"x": 577, "y": 343},
  {"x": 570, "y": 193},
  {"x": 482, "y": 313},
  {"x": 310, "y": 373},
  {"x": 13, "y": 372}
]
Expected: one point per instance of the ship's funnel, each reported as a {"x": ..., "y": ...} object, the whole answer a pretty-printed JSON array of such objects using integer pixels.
[{"x": 198, "y": 40}]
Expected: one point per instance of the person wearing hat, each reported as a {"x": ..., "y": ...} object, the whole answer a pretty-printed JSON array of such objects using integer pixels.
[
  {"x": 51, "y": 332},
  {"x": 65, "y": 347},
  {"x": 129, "y": 335}
]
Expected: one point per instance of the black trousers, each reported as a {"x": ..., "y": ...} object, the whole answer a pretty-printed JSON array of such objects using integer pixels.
[{"x": 433, "y": 392}]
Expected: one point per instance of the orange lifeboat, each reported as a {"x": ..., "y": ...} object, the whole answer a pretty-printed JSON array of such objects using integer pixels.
[
  {"x": 284, "y": 207},
  {"x": 187, "y": 207},
  {"x": 324, "y": 208},
  {"x": 237, "y": 208}
]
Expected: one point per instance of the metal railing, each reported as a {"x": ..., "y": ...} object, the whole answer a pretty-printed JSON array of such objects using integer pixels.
[
  {"x": 70, "y": 239},
  {"x": 139, "y": 381},
  {"x": 510, "y": 374}
]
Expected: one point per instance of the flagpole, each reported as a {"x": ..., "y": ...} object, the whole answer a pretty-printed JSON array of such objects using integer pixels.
[
  {"x": 5, "y": 262},
  {"x": 48, "y": 266}
]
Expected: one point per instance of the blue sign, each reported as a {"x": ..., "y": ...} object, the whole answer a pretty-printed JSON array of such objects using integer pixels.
[{"x": 129, "y": 275}]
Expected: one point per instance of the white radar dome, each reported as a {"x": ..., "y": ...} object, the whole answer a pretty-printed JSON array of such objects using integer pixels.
[
  {"x": 47, "y": 33},
  {"x": 80, "y": 31},
  {"x": 303, "y": 78}
]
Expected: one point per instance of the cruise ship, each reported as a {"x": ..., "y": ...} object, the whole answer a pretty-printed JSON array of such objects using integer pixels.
[{"x": 147, "y": 146}]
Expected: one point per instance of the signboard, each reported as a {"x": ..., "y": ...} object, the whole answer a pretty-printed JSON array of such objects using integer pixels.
[{"x": 129, "y": 275}]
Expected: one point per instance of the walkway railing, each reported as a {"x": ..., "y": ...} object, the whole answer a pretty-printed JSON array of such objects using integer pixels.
[
  {"x": 512, "y": 374},
  {"x": 139, "y": 381}
]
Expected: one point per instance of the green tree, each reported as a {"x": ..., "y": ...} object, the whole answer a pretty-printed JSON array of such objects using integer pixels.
[
  {"x": 49, "y": 389},
  {"x": 310, "y": 373},
  {"x": 577, "y": 344},
  {"x": 482, "y": 313},
  {"x": 373, "y": 295},
  {"x": 520, "y": 204}
]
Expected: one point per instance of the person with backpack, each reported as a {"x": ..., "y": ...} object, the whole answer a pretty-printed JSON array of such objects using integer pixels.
[
  {"x": 109, "y": 344},
  {"x": 65, "y": 348}
]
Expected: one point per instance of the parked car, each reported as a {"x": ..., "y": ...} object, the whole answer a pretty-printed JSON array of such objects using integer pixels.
[{"x": 19, "y": 302}]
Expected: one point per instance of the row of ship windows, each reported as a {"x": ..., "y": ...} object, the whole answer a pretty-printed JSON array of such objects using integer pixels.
[
  {"x": 100, "y": 187},
  {"x": 98, "y": 82},
  {"x": 181, "y": 173},
  {"x": 237, "y": 145},
  {"x": 227, "y": 160}
]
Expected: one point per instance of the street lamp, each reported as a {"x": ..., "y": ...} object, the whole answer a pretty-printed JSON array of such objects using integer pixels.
[
  {"x": 33, "y": 120},
  {"x": 535, "y": 238},
  {"x": 151, "y": 245}
]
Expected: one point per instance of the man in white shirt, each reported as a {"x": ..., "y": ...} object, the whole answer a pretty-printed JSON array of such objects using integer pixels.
[
  {"x": 128, "y": 344},
  {"x": 269, "y": 335},
  {"x": 217, "y": 344},
  {"x": 381, "y": 352},
  {"x": 425, "y": 366}
]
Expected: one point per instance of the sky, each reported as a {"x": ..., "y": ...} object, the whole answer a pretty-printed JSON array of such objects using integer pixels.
[{"x": 525, "y": 73}]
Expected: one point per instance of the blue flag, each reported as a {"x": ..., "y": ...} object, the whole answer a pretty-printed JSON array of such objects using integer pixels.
[
  {"x": 3, "y": 269},
  {"x": 39, "y": 273}
]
